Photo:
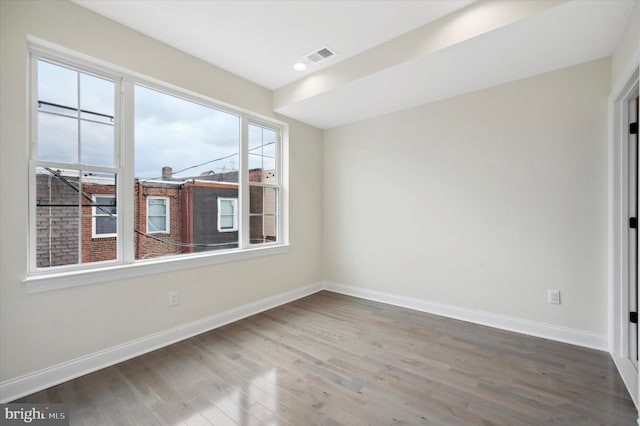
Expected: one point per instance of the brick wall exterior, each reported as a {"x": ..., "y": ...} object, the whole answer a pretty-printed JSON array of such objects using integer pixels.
[
  {"x": 64, "y": 232},
  {"x": 56, "y": 227},
  {"x": 146, "y": 245},
  {"x": 96, "y": 249}
]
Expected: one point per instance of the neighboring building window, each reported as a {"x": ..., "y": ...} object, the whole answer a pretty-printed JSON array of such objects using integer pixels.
[
  {"x": 158, "y": 215},
  {"x": 195, "y": 180},
  {"x": 104, "y": 216},
  {"x": 227, "y": 214}
]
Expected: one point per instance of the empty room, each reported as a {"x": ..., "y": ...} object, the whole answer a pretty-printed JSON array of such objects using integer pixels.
[{"x": 319, "y": 212}]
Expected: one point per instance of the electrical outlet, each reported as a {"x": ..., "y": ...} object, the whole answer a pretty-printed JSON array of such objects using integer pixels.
[
  {"x": 173, "y": 298},
  {"x": 340, "y": 266},
  {"x": 554, "y": 297}
]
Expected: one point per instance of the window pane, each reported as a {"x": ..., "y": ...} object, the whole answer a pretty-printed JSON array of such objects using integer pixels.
[
  {"x": 67, "y": 229},
  {"x": 226, "y": 222},
  {"x": 226, "y": 207},
  {"x": 97, "y": 144},
  {"x": 57, "y": 138},
  {"x": 269, "y": 228},
  {"x": 193, "y": 139},
  {"x": 105, "y": 205},
  {"x": 189, "y": 153},
  {"x": 156, "y": 210},
  {"x": 106, "y": 225},
  {"x": 157, "y": 223},
  {"x": 263, "y": 210},
  {"x": 58, "y": 115},
  {"x": 255, "y": 139},
  {"x": 57, "y": 219},
  {"x": 96, "y": 97},
  {"x": 255, "y": 165},
  {"x": 262, "y": 153},
  {"x": 269, "y": 149},
  {"x": 58, "y": 85}
]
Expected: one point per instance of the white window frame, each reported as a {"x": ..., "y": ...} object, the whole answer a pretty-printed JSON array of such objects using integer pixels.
[
  {"x": 96, "y": 213},
  {"x": 167, "y": 214},
  {"x": 235, "y": 214},
  {"x": 125, "y": 265}
]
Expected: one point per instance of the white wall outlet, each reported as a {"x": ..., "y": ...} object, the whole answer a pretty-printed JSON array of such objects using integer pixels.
[
  {"x": 173, "y": 298},
  {"x": 340, "y": 266},
  {"x": 554, "y": 297}
]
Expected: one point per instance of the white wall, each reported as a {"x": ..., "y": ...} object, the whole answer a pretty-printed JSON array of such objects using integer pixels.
[
  {"x": 41, "y": 330},
  {"x": 627, "y": 52},
  {"x": 482, "y": 201}
]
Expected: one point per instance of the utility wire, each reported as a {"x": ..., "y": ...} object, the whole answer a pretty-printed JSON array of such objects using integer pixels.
[{"x": 211, "y": 161}]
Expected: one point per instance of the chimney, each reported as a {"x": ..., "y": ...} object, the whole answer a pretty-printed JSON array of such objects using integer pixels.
[{"x": 167, "y": 172}]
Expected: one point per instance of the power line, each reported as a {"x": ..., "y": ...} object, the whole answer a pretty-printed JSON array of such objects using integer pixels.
[{"x": 211, "y": 161}]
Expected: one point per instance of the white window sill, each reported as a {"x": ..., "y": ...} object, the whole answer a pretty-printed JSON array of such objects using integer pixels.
[{"x": 37, "y": 283}]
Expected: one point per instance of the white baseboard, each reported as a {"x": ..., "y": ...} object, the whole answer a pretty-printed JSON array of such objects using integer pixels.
[
  {"x": 504, "y": 322},
  {"x": 33, "y": 382},
  {"x": 629, "y": 376}
]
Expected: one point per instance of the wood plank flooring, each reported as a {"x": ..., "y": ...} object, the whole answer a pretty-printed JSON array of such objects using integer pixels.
[{"x": 330, "y": 359}]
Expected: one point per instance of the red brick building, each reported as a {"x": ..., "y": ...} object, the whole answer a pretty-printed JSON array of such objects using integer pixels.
[{"x": 172, "y": 216}]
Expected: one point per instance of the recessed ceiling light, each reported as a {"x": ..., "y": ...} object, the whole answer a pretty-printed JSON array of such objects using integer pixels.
[{"x": 299, "y": 66}]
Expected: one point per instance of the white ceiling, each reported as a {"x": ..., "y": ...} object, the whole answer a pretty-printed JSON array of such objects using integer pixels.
[{"x": 391, "y": 55}]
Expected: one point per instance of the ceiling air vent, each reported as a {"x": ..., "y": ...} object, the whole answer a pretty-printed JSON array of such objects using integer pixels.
[{"x": 320, "y": 55}]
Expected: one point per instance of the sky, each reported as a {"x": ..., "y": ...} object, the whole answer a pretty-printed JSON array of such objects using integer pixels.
[{"x": 169, "y": 131}]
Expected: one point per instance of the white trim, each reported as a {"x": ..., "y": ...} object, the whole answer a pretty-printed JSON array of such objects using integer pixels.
[
  {"x": 33, "y": 382},
  {"x": 629, "y": 376},
  {"x": 618, "y": 305},
  {"x": 80, "y": 277},
  {"x": 532, "y": 328},
  {"x": 167, "y": 215},
  {"x": 39, "y": 380}
]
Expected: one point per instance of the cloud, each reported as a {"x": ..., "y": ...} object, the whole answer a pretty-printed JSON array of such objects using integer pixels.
[
  {"x": 174, "y": 132},
  {"x": 169, "y": 131}
]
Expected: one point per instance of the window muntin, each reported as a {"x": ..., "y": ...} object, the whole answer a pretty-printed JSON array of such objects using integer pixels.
[
  {"x": 78, "y": 136},
  {"x": 158, "y": 215},
  {"x": 75, "y": 116},
  {"x": 227, "y": 214}
]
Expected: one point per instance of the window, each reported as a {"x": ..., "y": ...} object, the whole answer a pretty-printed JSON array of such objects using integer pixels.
[
  {"x": 73, "y": 157},
  {"x": 104, "y": 216},
  {"x": 227, "y": 218},
  {"x": 196, "y": 161},
  {"x": 157, "y": 215},
  {"x": 190, "y": 173}
]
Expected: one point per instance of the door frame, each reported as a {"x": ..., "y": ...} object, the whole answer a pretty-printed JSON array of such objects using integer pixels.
[{"x": 618, "y": 228}]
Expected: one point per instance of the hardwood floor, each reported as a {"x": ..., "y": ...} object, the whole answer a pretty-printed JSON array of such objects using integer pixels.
[{"x": 336, "y": 360}]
